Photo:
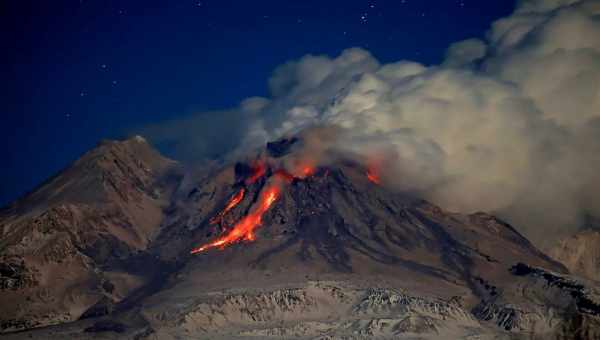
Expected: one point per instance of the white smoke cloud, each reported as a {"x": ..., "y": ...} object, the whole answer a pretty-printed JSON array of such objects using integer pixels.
[{"x": 510, "y": 125}]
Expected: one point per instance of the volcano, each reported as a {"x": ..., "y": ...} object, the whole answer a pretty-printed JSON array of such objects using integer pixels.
[{"x": 275, "y": 246}]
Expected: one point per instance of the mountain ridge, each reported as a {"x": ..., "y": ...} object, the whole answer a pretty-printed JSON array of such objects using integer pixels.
[{"x": 334, "y": 254}]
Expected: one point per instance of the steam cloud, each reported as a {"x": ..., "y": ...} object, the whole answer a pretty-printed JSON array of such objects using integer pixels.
[{"x": 510, "y": 125}]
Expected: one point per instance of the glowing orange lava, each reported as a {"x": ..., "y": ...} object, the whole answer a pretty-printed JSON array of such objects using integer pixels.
[
  {"x": 235, "y": 200},
  {"x": 308, "y": 171},
  {"x": 303, "y": 172},
  {"x": 373, "y": 176},
  {"x": 286, "y": 176},
  {"x": 258, "y": 170},
  {"x": 244, "y": 229}
]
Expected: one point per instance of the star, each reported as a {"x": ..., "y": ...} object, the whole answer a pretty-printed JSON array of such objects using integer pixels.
[{"x": 104, "y": 66}]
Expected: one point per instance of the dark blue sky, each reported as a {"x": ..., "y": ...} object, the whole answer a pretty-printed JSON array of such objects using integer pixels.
[{"x": 75, "y": 72}]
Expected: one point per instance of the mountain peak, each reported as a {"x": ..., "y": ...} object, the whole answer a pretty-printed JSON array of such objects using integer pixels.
[
  {"x": 85, "y": 223},
  {"x": 128, "y": 140},
  {"x": 139, "y": 138},
  {"x": 113, "y": 166}
]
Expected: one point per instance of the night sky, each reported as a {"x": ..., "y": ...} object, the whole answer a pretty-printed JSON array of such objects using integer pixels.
[{"x": 75, "y": 72}]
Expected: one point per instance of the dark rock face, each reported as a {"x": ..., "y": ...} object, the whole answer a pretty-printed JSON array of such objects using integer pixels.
[
  {"x": 548, "y": 296},
  {"x": 103, "y": 307},
  {"x": 281, "y": 147},
  {"x": 106, "y": 326},
  {"x": 15, "y": 276},
  {"x": 585, "y": 302},
  {"x": 242, "y": 171}
]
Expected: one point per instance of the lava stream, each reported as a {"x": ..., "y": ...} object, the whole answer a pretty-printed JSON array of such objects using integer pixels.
[
  {"x": 235, "y": 200},
  {"x": 373, "y": 176},
  {"x": 258, "y": 171},
  {"x": 244, "y": 229}
]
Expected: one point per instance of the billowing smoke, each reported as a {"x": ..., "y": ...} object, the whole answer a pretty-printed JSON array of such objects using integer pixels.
[{"x": 510, "y": 125}]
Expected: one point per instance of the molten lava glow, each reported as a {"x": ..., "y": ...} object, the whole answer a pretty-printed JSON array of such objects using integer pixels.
[
  {"x": 258, "y": 170},
  {"x": 235, "y": 200},
  {"x": 244, "y": 229},
  {"x": 284, "y": 175},
  {"x": 373, "y": 176},
  {"x": 303, "y": 172},
  {"x": 308, "y": 171}
]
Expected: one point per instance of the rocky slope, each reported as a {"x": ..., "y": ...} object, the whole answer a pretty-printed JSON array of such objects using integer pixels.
[
  {"x": 284, "y": 247},
  {"x": 68, "y": 245},
  {"x": 538, "y": 305},
  {"x": 580, "y": 253}
]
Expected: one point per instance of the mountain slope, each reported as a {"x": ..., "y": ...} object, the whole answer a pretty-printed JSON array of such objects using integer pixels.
[
  {"x": 326, "y": 241},
  {"x": 61, "y": 245},
  {"x": 580, "y": 253},
  {"x": 276, "y": 246}
]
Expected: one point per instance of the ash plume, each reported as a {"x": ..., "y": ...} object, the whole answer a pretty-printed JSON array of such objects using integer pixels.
[{"x": 509, "y": 125}]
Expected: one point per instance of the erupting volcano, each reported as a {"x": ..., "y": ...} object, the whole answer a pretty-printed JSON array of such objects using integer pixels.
[
  {"x": 244, "y": 229},
  {"x": 328, "y": 244}
]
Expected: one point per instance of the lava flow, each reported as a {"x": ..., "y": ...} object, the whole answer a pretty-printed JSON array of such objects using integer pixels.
[
  {"x": 244, "y": 229},
  {"x": 373, "y": 176},
  {"x": 235, "y": 200},
  {"x": 258, "y": 170}
]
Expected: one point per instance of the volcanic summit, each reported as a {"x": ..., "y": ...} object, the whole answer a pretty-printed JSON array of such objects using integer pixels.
[{"x": 279, "y": 245}]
